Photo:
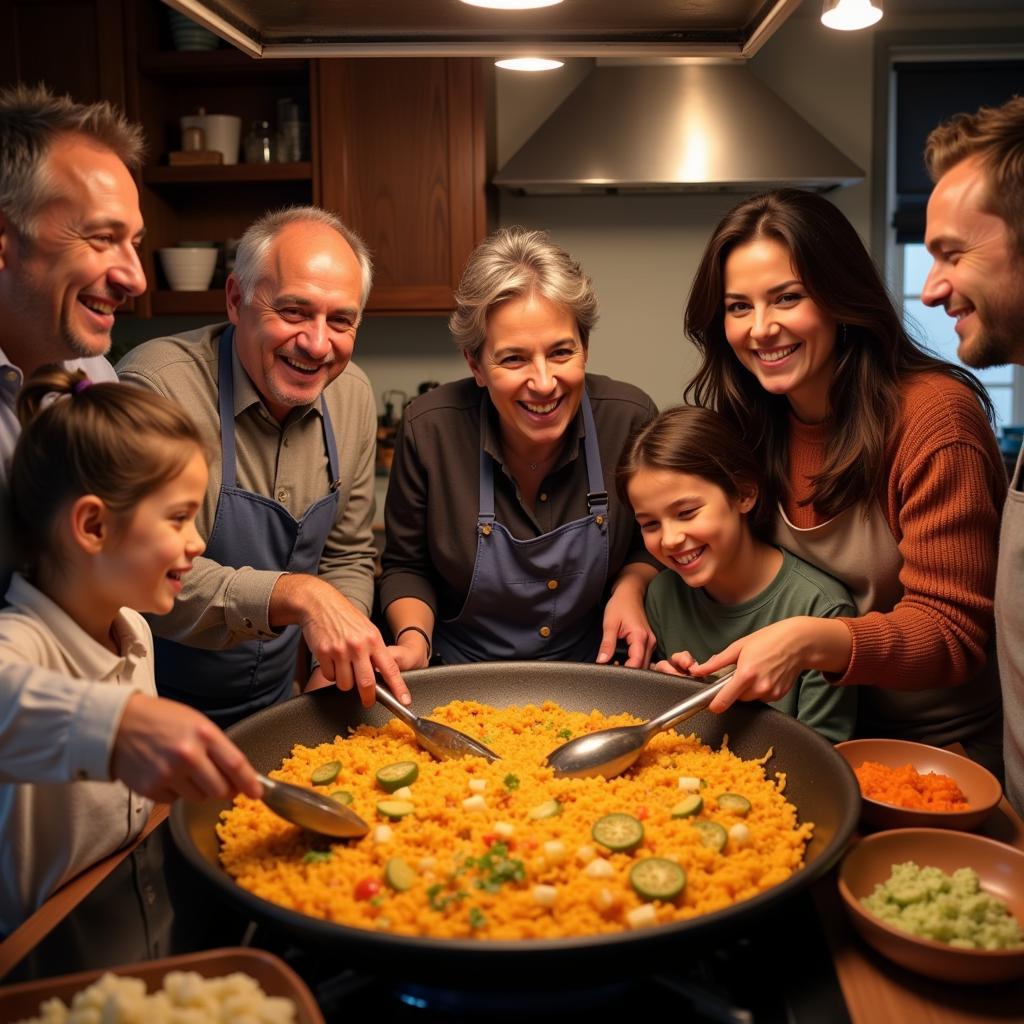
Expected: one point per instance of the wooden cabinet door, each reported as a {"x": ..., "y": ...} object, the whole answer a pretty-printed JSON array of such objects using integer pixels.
[
  {"x": 74, "y": 46},
  {"x": 401, "y": 148}
]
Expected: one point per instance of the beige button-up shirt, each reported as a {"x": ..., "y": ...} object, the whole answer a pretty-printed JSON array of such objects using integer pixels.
[{"x": 221, "y": 605}]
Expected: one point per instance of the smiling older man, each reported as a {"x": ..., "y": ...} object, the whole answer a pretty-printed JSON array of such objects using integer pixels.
[
  {"x": 288, "y": 511},
  {"x": 975, "y": 234}
]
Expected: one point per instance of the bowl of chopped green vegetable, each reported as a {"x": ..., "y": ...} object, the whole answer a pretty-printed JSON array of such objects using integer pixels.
[{"x": 943, "y": 903}]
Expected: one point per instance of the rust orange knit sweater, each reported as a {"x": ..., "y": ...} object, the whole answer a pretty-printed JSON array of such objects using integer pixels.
[{"x": 942, "y": 498}]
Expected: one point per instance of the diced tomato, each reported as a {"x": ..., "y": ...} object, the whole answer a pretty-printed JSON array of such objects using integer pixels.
[
  {"x": 530, "y": 844},
  {"x": 641, "y": 813},
  {"x": 492, "y": 837},
  {"x": 367, "y": 888}
]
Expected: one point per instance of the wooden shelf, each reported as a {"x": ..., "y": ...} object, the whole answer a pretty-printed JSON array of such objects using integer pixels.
[
  {"x": 226, "y": 63},
  {"x": 168, "y": 303},
  {"x": 217, "y": 174}
]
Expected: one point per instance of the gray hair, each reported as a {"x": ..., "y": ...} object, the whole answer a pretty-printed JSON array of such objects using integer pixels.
[
  {"x": 255, "y": 244},
  {"x": 31, "y": 120},
  {"x": 517, "y": 262}
]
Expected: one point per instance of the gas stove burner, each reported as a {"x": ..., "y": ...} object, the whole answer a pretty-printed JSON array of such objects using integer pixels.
[{"x": 509, "y": 1004}]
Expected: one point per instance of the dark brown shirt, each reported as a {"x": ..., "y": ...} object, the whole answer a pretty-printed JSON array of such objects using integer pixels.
[{"x": 434, "y": 490}]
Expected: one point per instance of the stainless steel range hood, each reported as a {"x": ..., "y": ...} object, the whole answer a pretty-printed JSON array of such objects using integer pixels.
[{"x": 674, "y": 128}]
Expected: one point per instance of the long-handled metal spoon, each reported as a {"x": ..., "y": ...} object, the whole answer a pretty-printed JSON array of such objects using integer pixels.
[
  {"x": 442, "y": 741},
  {"x": 611, "y": 751},
  {"x": 312, "y": 810}
]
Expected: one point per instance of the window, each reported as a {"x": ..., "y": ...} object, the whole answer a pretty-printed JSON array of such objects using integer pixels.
[
  {"x": 923, "y": 82},
  {"x": 931, "y": 326}
]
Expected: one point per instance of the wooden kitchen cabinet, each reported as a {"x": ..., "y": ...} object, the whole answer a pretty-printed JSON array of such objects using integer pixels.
[
  {"x": 403, "y": 160},
  {"x": 84, "y": 58},
  {"x": 203, "y": 203}
]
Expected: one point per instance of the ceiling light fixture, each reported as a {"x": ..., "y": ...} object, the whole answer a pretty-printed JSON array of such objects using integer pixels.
[
  {"x": 512, "y": 5},
  {"x": 528, "y": 64},
  {"x": 849, "y": 15}
]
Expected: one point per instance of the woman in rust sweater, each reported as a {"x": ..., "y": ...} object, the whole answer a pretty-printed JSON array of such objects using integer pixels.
[{"x": 883, "y": 464}]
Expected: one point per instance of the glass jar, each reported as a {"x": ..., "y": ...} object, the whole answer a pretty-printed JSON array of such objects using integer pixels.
[{"x": 259, "y": 144}]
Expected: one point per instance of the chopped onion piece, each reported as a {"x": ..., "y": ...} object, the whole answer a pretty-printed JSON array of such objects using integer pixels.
[
  {"x": 739, "y": 834},
  {"x": 689, "y": 783},
  {"x": 382, "y": 834},
  {"x": 544, "y": 895},
  {"x": 586, "y": 853},
  {"x": 504, "y": 829},
  {"x": 474, "y": 803},
  {"x": 554, "y": 851},
  {"x": 642, "y": 917},
  {"x": 477, "y": 785},
  {"x": 598, "y": 868},
  {"x": 403, "y": 793}
]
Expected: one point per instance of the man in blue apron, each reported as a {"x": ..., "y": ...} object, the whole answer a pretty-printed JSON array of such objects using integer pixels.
[
  {"x": 287, "y": 516},
  {"x": 975, "y": 233},
  {"x": 69, "y": 226}
]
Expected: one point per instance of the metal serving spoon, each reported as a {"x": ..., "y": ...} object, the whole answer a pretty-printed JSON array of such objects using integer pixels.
[
  {"x": 442, "y": 741},
  {"x": 311, "y": 810},
  {"x": 611, "y": 751}
]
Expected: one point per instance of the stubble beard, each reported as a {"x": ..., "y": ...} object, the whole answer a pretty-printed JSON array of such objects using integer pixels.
[{"x": 1000, "y": 338}]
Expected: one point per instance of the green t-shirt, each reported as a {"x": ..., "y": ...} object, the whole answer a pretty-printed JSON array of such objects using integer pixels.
[{"x": 686, "y": 619}]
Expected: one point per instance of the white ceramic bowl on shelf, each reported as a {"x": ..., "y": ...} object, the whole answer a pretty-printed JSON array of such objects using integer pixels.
[{"x": 188, "y": 269}]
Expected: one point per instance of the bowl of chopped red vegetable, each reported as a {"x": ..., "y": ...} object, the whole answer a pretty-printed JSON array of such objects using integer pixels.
[{"x": 907, "y": 785}]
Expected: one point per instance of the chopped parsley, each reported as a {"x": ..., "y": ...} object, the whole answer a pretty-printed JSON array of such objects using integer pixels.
[
  {"x": 511, "y": 781},
  {"x": 439, "y": 902},
  {"x": 316, "y": 856},
  {"x": 565, "y": 734},
  {"x": 477, "y": 918}
]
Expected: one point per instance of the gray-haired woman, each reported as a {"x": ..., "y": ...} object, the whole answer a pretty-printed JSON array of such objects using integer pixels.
[{"x": 505, "y": 539}]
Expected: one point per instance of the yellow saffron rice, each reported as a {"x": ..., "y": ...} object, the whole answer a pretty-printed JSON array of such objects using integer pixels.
[{"x": 549, "y": 887}]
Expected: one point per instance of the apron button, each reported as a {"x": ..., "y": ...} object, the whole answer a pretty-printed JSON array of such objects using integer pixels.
[
  {"x": 545, "y": 631},
  {"x": 282, "y": 495},
  {"x": 599, "y": 520},
  {"x": 542, "y": 497},
  {"x": 247, "y": 623},
  {"x": 552, "y": 584},
  {"x": 486, "y": 529}
]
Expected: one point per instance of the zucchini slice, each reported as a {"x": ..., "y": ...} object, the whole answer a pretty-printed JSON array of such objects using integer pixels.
[
  {"x": 618, "y": 832},
  {"x": 399, "y": 875},
  {"x": 734, "y": 802},
  {"x": 395, "y": 809},
  {"x": 325, "y": 774},
  {"x": 395, "y": 776},
  {"x": 548, "y": 809},
  {"x": 655, "y": 878},
  {"x": 712, "y": 834},
  {"x": 688, "y": 806}
]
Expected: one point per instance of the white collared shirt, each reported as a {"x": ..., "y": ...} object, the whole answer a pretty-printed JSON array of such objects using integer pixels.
[{"x": 50, "y": 832}]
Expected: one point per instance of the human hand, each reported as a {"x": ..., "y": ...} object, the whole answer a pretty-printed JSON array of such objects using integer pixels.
[
  {"x": 678, "y": 664},
  {"x": 625, "y": 618},
  {"x": 769, "y": 661},
  {"x": 316, "y": 681},
  {"x": 345, "y": 643},
  {"x": 165, "y": 750},
  {"x": 410, "y": 651}
]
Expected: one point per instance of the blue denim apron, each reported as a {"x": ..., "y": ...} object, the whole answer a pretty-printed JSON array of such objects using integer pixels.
[
  {"x": 538, "y": 598},
  {"x": 248, "y": 530}
]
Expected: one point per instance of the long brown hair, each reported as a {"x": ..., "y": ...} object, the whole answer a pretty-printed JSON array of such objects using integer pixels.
[
  {"x": 116, "y": 441},
  {"x": 874, "y": 354},
  {"x": 699, "y": 442}
]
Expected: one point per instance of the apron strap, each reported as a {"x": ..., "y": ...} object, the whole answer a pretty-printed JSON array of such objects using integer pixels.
[
  {"x": 597, "y": 495},
  {"x": 226, "y": 405}
]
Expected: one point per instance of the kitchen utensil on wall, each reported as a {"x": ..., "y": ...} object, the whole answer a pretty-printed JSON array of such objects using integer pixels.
[{"x": 223, "y": 132}]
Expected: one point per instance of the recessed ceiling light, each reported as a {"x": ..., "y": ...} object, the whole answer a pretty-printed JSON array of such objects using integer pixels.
[
  {"x": 528, "y": 64},
  {"x": 512, "y": 5}
]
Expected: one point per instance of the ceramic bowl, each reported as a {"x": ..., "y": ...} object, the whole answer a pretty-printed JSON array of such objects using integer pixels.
[
  {"x": 999, "y": 867},
  {"x": 187, "y": 35},
  {"x": 188, "y": 269},
  {"x": 979, "y": 785}
]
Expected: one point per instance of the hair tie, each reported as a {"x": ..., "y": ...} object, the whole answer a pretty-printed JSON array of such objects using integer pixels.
[{"x": 80, "y": 385}]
